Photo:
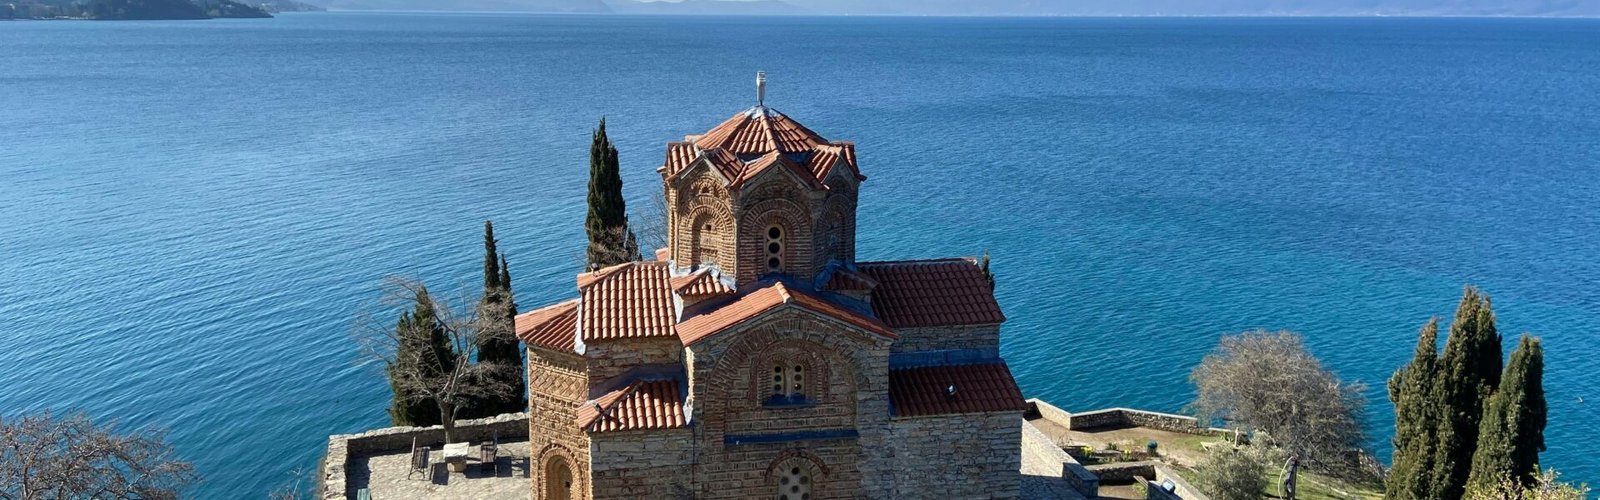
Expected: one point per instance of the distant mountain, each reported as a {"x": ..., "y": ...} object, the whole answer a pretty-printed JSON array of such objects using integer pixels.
[
  {"x": 554, "y": 6},
  {"x": 276, "y": 6},
  {"x": 130, "y": 10},
  {"x": 706, "y": 7}
]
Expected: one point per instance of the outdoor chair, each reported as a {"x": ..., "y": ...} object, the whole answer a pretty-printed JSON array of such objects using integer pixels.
[
  {"x": 419, "y": 459},
  {"x": 487, "y": 452}
]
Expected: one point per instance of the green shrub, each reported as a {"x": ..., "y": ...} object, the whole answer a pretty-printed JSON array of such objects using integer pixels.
[{"x": 1232, "y": 474}]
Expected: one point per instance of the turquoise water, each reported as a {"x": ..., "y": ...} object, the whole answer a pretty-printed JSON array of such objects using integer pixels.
[{"x": 194, "y": 214}]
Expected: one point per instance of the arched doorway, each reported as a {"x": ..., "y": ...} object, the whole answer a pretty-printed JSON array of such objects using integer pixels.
[{"x": 557, "y": 479}]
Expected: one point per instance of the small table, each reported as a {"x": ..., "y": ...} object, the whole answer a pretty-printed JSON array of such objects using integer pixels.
[{"x": 455, "y": 456}]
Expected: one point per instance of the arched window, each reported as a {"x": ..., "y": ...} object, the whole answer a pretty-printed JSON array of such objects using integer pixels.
[
  {"x": 794, "y": 483},
  {"x": 774, "y": 249}
]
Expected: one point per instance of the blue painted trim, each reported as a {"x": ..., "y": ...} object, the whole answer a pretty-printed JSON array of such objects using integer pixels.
[{"x": 786, "y": 437}]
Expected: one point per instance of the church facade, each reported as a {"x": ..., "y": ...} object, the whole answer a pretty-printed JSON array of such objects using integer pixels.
[{"x": 757, "y": 358}]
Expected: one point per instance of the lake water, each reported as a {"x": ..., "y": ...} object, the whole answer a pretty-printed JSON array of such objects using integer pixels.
[{"x": 194, "y": 214}]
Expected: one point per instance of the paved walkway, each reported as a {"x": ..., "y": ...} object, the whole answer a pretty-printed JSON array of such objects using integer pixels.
[{"x": 385, "y": 475}]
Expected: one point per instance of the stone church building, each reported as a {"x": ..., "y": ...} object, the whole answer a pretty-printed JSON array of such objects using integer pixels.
[{"x": 757, "y": 358}]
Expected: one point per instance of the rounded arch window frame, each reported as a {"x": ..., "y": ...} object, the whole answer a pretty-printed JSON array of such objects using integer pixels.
[
  {"x": 790, "y": 357},
  {"x": 810, "y": 466}
]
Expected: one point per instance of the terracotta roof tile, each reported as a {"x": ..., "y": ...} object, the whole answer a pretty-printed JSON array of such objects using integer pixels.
[
  {"x": 552, "y": 327},
  {"x": 632, "y": 300},
  {"x": 679, "y": 156},
  {"x": 701, "y": 282},
  {"x": 760, "y": 130},
  {"x": 926, "y": 293},
  {"x": 840, "y": 278},
  {"x": 773, "y": 160},
  {"x": 915, "y": 392},
  {"x": 769, "y": 297},
  {"x": 643, "y": 404}
]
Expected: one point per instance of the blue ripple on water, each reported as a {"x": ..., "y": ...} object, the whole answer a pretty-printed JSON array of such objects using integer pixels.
[{"x": 193, "y": 215}]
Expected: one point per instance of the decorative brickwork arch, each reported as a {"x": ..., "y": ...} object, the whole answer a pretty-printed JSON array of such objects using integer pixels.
[
  {"x": 724, "y": 379},
  {"x": 793, "y": 224},
  {"x": 711, "y": 234},
  {"x": 557, "y": 475},
  {"x": 796, "y": 475},
  {"x": 836, "y": 232},
  {"x": 797, "y": 366}
]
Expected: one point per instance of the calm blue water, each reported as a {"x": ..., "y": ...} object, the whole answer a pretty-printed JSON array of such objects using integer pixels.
[{"x": 194, "y": 214}]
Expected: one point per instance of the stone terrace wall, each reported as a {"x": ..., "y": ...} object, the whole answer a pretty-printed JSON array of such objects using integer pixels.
[
  {"x": 1042, "y": 457},
  {"x": 1118, "y": 417},
  {"x": 508, "y": 427},
  {"x": 957, "y": 456}
]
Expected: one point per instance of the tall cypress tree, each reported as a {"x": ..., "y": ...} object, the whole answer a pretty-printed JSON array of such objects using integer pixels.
[
  {"x": 1469, "y": 371},
  {"x": 1411, "y": 390},
  {"x": 1512, "y": 433},
  {"x": 497, "y": 341},
  {"x": 611, "y": 242},
  {"x": 491, "y": 267},
  {"x": 418, "y": 330}
]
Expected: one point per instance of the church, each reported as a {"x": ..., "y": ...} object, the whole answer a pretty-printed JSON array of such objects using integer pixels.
[{"x": 755, "y": 357}]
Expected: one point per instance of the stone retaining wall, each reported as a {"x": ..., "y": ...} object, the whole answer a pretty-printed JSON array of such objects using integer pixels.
[
  {"x": 1042, "y": 457},
  {"x": 507, "y": 427},
  {"x": 1117, "y": 417}
]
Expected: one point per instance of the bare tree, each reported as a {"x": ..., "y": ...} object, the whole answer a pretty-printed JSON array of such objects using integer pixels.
[
  {"x": 651, "y": 225},
  {"x": 451, "y": 380},
  {"x": 46, "y": 458},
  {"x": 1267, "y": 381}
]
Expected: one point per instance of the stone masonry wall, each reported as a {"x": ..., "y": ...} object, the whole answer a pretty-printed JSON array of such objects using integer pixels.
[
  {"x": 957, "y": 456},
  {"x": 557, "y": 384},
  {"x": 642, "y": 464},
  {"x": 947, "y": 338},
  {"x": 611, "y": 358},
  {"x": 842, "y": 433}
]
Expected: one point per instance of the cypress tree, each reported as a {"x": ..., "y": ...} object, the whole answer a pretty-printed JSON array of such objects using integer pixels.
[
  {"x": 1411, "y": 391},
  {"x": 498, "y": 342},
  {"x": 491, "y": 268},
  {"x": 1512, "y": 433},
  {"x": 610, "y": 240},
  {"x": 416, "y": 331},
  {"x": 1469, "y": 372}
]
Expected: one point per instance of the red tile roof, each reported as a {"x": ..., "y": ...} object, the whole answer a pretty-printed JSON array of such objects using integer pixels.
[
  {"x": 840, "y": 278},
  {"x": 759, "y": 130},
  {"x": 552, "y": 327},
  {"x": 924, "y": 293},
  {"x": 825, "y": 157},
  {"x": 770, "y": 161},
  {"x": 632, "y": 300},
  {"x": 700, "y": 282},
  {"x": 915, "y": 392},
  {"x": 759, "y": 301},
  {"x": 765, "y": 133},
  {"x": 653, "y": 404}
]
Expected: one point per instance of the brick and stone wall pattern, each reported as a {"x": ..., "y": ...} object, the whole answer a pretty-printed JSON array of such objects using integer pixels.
[
  {"x": 642, "y": 464},
  {"x": 947, "y": 338},
  {"x": 957, "y": 456},
  {"x": 608, "y": 359},
  {"x": 731, "y": 377},
  {"x": 557, "y": 384}
]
